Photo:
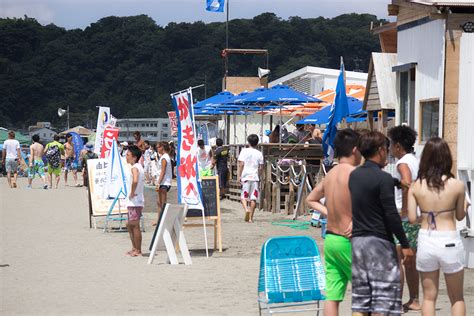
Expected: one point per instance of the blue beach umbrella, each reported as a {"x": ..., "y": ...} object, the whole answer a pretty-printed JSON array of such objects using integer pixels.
[
  {"x": 215, "y": 100},
  {"x": 278, "y": 96}
]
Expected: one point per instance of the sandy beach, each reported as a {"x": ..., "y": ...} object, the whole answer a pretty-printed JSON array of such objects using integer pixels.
[{"x": 51, "y": 262}]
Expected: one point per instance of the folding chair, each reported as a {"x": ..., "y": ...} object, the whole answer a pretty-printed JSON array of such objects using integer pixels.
[{"x": 291, "y": 275}]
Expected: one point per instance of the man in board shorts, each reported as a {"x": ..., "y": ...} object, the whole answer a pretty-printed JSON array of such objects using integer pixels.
[
  {"x": 36, "y": 165},
  {"x": 338, "y": 210},
  {"x": 54, "y": 163},
  {"x": 376, "y": 284}
]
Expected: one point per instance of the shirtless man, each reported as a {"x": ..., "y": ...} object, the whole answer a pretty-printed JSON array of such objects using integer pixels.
[
  {"x": 139, "y": 142},
  {"x": 338, "y": 209},
  {"x": 70, "y": 156},
  {"x": 36, "y": 165}
]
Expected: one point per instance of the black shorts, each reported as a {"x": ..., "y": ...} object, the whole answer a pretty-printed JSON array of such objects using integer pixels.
[
  {"x": 165, "y": 187},
  {"x": 223, "y": 175}
]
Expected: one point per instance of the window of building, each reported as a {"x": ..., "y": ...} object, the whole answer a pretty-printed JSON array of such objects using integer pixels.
[
  {"x": 44, "y": 134},
  {"x": 407, "y": 96},
  {"x": 165, "y": 135},
  {"x": 164, "y": 125},
  {"x": 429, "y": 119}
]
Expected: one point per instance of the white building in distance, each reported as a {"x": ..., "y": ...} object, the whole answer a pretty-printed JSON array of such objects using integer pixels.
[
  {"x": 46, "y": 135},
  {"x": 314, "y": 80},
  {"x": 151, "y": 129}
]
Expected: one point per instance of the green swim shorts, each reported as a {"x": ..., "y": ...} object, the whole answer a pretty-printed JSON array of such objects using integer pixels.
[
  {"x": 411, "y": 231},
  {"x": 338, "y": 266},
  {"x": 56, "y": 171}
]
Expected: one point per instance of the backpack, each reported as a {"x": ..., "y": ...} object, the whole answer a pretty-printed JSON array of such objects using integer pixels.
[{"x": 54, "y": 157}]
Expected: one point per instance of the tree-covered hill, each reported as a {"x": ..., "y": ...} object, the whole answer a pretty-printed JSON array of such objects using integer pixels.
[{"x": 132, "y": 64}]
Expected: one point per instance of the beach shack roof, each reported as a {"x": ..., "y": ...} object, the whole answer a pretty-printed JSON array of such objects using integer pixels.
[
  {"x": 380, "y": 93},
  {"x": 445, "y": 3},
  {"x": 81, "y": 130}
]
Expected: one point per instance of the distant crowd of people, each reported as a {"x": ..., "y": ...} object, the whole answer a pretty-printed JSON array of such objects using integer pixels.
[
  {"x": 44, "y": 161},
  {"x": 384, "y": 231}
]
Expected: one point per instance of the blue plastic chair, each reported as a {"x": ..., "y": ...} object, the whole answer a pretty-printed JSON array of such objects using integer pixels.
[{"x": 291, "y": 275}]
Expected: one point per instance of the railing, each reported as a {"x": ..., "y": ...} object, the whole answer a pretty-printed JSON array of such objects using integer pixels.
[{"x": 290, "y": 171}]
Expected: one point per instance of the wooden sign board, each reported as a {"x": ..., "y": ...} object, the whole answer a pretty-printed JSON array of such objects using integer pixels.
[
  {"x": 212, "y": 210},
  {"x": 97, "y": 172}
]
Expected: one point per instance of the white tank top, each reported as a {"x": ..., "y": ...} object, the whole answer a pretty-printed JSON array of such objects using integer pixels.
[
  {"x": 412, "y": 162},
  {"x": 168, "y": 170},
  {"x": 139, "y": 198}
]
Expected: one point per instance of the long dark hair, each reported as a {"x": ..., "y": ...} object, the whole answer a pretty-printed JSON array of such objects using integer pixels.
[{"x": 436, "y": 162}]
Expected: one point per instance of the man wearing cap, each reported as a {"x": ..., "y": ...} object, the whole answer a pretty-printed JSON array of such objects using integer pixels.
[{"x": 89, "y": 154}]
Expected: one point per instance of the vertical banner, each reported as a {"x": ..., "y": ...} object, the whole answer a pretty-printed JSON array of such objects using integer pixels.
[
  {"x": 110, "y": 136},
  {"x": 173, "y": 123},
  {"x": 78, "y": 145},
  {"x": 189, "y": 187},
  {"x": 102, "y": 121}
]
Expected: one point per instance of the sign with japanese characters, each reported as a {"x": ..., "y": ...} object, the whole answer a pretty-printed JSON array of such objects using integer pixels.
[
  {"x": 173, "y": 123},
  {"x": 189, "y": 187},
  {"x": 97, "y": 171},
  {"x": 110, "y": 137}
]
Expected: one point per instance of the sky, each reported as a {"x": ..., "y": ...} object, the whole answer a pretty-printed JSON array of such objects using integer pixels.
[{"x": 81, "y": 13}]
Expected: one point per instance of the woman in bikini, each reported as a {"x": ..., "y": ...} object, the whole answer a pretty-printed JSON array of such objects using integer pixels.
[{"x": 440, "y": 198}]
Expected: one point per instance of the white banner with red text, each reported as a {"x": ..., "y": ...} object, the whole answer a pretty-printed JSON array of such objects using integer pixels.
[{"x": 189, "y": 186}]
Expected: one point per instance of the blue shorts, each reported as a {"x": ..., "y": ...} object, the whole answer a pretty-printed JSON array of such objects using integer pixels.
[
  {"x": 165, "y": 187},
  {"x": 70, "y": 165}
]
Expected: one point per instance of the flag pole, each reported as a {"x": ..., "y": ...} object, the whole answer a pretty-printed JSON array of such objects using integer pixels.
[{"x": 227, "y": 26}]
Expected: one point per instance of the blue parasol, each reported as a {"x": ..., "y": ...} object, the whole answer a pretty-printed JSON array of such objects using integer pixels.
[{"x": 215, "y": 100}]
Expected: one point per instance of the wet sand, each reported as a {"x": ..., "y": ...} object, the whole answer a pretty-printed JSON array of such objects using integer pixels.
[{"x": 52, "y": 263}]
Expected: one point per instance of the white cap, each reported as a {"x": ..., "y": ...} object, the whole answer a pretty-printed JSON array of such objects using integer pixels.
[{"x": 124, "y": 143}]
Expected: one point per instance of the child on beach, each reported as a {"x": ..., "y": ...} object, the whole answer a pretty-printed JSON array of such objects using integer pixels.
[
  {"x": 165, "y": 177},
  {"x": 250, "y": 166},
  {"x": 136, "y": 200}
]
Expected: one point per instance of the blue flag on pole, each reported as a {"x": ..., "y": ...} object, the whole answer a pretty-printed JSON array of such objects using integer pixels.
[
  {"x": 215, "y": 5},
  {"x": 339, "y": 110}
]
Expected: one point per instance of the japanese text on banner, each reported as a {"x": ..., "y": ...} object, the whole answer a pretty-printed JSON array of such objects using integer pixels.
[
  {"x": 110, "y": 136},
  {"x": 189, "y": 190}
]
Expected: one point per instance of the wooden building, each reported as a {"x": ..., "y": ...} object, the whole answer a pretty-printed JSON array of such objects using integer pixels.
[
  {"x": 435, "y": 77},
  {"x": 380, "y": 93}
]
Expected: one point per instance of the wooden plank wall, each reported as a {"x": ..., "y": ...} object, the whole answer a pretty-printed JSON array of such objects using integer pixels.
[{"x": 451, "y": 82}]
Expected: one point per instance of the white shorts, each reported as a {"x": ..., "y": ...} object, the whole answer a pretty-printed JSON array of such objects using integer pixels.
[
  {"x": 250, "y": 191},
  {"x": 439, "y": 250}
]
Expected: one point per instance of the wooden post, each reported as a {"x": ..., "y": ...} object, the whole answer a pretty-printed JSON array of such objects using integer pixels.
[
  {"x": 278, "y": 192},
  {"x": 291, "y": 199},
  {"x": 268, "y": 188},
  {"x": 370, "y": 116}
]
